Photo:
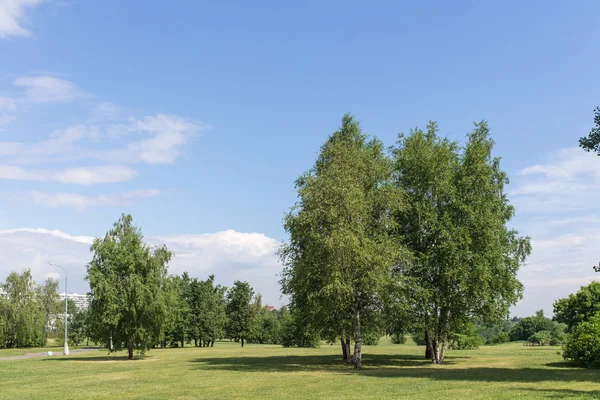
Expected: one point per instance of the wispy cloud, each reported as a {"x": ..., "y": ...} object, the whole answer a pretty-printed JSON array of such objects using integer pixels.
[
  {"x": 556, "y": 204},
  {"x": 12, "y": 16},
  {"x": 570, "y": 181},
  {"x": 47, "y": 89},
  {"x": 8, "y": 109},
  {"x": 80, "y": 202},
  {"x": 162, "y": 139},
  {"x": 80, "y": 176}
]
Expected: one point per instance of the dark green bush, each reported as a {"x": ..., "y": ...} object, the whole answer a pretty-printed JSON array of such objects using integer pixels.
[
  {"x": 398, "y": 338},
  {"x": 500, "y": 337},
  {"x": 583, "y": 344}
]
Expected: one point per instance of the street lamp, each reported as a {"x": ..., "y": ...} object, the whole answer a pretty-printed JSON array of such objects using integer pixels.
[{"x": 66, "y": 348}]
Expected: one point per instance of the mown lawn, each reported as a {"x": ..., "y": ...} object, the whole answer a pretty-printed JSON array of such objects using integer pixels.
[{"x": 510, "y": 371}]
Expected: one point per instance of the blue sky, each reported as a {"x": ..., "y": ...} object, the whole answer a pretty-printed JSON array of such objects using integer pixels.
[{"x": 196, "y": 117}]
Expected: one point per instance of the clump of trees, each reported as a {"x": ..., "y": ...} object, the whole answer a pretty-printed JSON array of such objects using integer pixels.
[
  {"x": 417, "y": 235},
  {"x": 27, "y": 310},
  {"x": 535, "y": 328},
  {"x": 137, "y": 305}
]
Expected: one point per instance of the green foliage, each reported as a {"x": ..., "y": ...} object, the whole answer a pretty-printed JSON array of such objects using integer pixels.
[
  {"x": 418, "y": 336},
  {"x": 541, "y": 338},
  {"x": 578, "y": 307},
  {"x": 467, "y": 338},
  {"x": 77, "y": 328},
  {"x": 26, "y": 310},
  {"x": 295, "y": 332},
  {"x": 465, "y": 258},
  {"x": 240, "y": 315},
  {"x": 592, "y": 141},
  {"x": 583, "y": 344},
  {"x": 398, "y": 338},
  {"x": 128, "y": 281},
  {"x": 208, "y": 310},
  {"x": 500, "y": 337},
  {"x": 529, "y": 326},
  {"x": 340, "y": 254}
]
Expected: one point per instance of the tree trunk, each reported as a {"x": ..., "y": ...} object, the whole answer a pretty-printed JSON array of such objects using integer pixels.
[
  {"x": 433, "y": 346},
  {"x": 428, "y": 354},
  {"x": 357, "y": 357},
  {"x": 212, "y": 343},
  {"x": 130, "y": 351},
  {"x": 445, "y": 337},
  {"x": 195, "y": 342},
  {"x": 242, "y": 342},
  {"x": 182, "y": 340},
  {"x": 344, "y": 350}
]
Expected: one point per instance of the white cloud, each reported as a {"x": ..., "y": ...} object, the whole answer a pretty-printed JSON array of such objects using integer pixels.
[
  {"x": 229, "y": 255},
  {"x": 47, "y": 89},
  {"x": 79, "y": 176},
  {"x": 570, "y": 181},
  {"x": 108, "y": 111},
  {"x": 169, "y": 134},
  {"x": 81, "y": 202},
  {"x": 12, "y": 15},
  {"x": 54, "y": 232},
  {"x": 163, "y": 138},
  {"x": 8, "y": 108},
  {"x": 8, "y": 104},
  {"x": 556, "y": 205}
]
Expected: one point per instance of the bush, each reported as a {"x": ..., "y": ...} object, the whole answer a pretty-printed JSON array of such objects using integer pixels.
[
  {"x": 419, "y": 338},
  {"x": 583, "y": 344},
  {"x": 398, "y": 338},
  {"x": 465, "y": 342},
  {"x": 541, "y": 338},
  {"x": 500, "y": 337},
  {"x": 371, "y": 338}
]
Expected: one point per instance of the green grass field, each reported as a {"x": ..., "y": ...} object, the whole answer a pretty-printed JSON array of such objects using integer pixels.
[{"x": 509, "y": 371}]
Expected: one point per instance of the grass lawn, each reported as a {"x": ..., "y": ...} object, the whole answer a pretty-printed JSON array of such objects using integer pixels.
[{"x": 509, "y": 371}]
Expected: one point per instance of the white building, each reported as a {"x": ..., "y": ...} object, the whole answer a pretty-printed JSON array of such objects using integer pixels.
[{"x": 82, "y": 301}]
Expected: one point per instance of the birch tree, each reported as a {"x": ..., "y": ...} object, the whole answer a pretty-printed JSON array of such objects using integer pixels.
[
  {"x": 465, "y": 257},
  {"x": 340, "y": 255},
  {"x": 127, "y": 281}
]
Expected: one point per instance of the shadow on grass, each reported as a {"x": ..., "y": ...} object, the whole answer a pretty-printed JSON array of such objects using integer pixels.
[
  {"x": 395, "y": 366},
  {"x": 567, "y": 393},
  {"x": 98, "y": 359},
  {"x": 305, "y": 363}
]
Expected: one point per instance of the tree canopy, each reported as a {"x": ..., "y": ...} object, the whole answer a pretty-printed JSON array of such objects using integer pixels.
[
  {"x": 578, "y": 307},
  {"x": 465, "y": 258},
  {"x": 127, "y": 280}
]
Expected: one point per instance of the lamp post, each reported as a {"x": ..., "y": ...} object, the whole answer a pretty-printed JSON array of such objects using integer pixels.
[{"x": 66, "y": 348}]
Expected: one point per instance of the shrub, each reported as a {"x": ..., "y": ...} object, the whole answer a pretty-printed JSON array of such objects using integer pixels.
[
  {"x": 465, "y": 342},
  {"x": 371, "y": 338},
  {"x": 398, "y": 338},
  {"x": 583, "y": 345},
  {"x": 500, "y": 337},
  {"x": 541, "y": 338},
  {"x": 419, "y": 337}
]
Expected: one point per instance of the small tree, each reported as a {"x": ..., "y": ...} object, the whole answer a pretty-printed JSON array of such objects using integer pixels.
[
  {"x": 47, "y": 295},
  {"x": 541, "y": 338},
  {"x": 240, "y": 317},
  {"x": 583, "y": 344},
  {"x": 127, "y": 282}
]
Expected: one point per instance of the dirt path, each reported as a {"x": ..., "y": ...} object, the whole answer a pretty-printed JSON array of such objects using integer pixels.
[{"x": 44, "y": 354}]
